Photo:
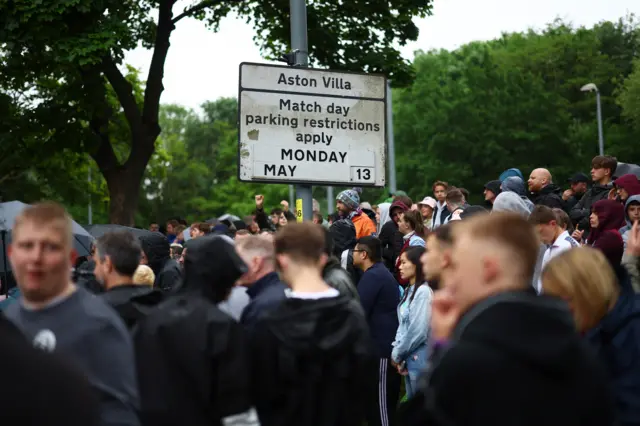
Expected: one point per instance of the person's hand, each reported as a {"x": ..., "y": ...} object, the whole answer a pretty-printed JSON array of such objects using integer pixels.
[
  {"x": 444, "y": 314},
  {"x": 285, "y": 205},
  {"x": 567, "y": 194},
  {"x": 577, "y": 234},
  {"x": 259, "y": 201},
  {"x": 633, "y": 244},
  {"x": 401, "y": 370}
]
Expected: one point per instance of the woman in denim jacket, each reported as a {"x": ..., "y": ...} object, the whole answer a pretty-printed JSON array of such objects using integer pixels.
[{"x": 409, "y": 353}]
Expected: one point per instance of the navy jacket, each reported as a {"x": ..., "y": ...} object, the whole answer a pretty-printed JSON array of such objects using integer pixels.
[
  {"x": 617, "y": 340},
  {"x": 379, "y": 296},
  {"x": 266, "y": 293}
]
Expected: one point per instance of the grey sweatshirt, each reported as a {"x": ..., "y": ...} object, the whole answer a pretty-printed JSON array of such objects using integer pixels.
[{"x": 85, "y": 330}]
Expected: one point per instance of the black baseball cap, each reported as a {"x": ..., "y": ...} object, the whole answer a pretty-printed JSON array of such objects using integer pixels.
[{"x": 579, "y": 177}]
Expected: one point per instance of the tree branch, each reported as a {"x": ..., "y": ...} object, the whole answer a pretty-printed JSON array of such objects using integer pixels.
[
  {"x": 154, "y": 87},
  {"x": 124, "y": 91},
  {"x": 195, "y": 9}
]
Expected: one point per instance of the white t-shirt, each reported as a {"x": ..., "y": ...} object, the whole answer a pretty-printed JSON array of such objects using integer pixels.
[{"x": 563, "y": 243}]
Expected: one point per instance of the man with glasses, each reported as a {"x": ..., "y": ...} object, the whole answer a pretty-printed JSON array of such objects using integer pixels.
[{"x": 379, "y": 295}]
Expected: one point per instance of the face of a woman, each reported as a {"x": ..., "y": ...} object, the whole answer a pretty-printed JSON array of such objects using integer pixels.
[
  {"x": 378, "y": 215},
  {"x": 407, "y": 269},
  {"x": 283, "y": 220},
  {"x": 403, "y": 226},
  {"x": 622, "y": 193},
  {"x": 593, "y": 220}
]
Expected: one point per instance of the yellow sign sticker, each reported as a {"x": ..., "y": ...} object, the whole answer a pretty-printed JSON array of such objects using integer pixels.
[{"x": 299, "y": 210}]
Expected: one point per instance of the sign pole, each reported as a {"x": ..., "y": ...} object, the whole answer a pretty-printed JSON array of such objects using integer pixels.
[{"x": 299, "y": 45}]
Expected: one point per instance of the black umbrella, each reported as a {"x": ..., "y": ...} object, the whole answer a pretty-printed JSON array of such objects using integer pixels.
[
  {"x": 8, "y": 213},
  {"x": 627, "y": 169},
  {"x": 98, "y": 231}
]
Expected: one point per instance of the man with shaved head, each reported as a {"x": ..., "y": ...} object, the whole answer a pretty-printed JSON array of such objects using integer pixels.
[{"x": 543, "y": 191}]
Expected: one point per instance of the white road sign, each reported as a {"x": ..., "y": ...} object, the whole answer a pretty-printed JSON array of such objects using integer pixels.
[{"x": 311, "y": 126}]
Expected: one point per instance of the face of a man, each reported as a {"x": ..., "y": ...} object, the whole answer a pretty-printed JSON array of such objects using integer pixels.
[
  {"x": 634, "y": 212},
  {"x": 102, "y": 269},
  {"x": 468, "y": 272},
  {"x": 598, "y": 174},
  {"x": 546, "y": 232},
  {"x": 536, "y": 181},
  {"x": 440, "y": 193},
  {"x": 170, "y": 230},
  {"x": 41, "y": 259},
  {"x": 154, "y": 227},
  {"x": 489, "y": 195},
  {"x": 579, "y": 187},
  {"x": 432, "y": 259}
]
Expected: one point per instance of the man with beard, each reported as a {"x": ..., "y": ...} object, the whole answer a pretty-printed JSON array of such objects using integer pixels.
[{"x": 543, "y": 191}]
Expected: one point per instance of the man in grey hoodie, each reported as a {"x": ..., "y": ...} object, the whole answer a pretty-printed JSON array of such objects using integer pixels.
[
  {"x": 509, "y": 201},
  {"x": 516, "y": 185}
]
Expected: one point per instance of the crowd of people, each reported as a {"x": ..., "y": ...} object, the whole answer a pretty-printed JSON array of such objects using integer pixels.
[{"x": 520, "y": 311}]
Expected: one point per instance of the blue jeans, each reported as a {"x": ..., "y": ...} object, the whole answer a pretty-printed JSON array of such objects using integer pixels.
[{"x": 416, "y": 364}]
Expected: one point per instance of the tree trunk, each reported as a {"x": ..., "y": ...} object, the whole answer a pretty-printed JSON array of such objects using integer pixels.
[
  {"x": 124, "y": 191},
  {"x": 124, "y": 182}
]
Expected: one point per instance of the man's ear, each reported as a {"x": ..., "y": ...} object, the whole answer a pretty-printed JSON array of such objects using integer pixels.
[
  {"x": 73, "y": 256},
  {"x": 491, "y": 269},
  {"x": 323, "y": 260}
]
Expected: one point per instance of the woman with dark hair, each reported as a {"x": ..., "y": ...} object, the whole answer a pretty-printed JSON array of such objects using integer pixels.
[
  {"x": 409, "y": 353},
  {"x": 412, "y": 229}
]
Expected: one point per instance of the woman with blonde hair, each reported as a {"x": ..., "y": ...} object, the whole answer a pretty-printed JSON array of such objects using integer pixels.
[{"x": 607, "y": 313}]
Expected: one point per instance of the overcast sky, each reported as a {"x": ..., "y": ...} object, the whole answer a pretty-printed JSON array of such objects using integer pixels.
[{"x": 202, "y": 65}]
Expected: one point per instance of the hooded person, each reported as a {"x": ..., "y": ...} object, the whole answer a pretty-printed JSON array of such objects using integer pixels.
[
  {"x": 348, "y": 205},
  {"x": 191, "y": 356},
  {"x": 491, "y": 190},
  {"x": 517, "y": 185},
  {"x": 157, "y": 255},
  {"x": 383, "y": 209},
  {"x": 513, "y": 172},
  {"x": 630, "y": 261},
  {"x": 606, "y": 219},
  {"x": 627, "y": 186},
  {"x": 512, "y": 202}
]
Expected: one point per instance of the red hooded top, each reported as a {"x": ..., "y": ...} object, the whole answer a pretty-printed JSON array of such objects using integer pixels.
[
  {"x": 606, "y": 236},
  {"x": 629, "y": 183}
]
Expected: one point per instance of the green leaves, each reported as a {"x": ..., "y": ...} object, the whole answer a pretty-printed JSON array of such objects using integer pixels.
[{"x": 515, "y": 102}]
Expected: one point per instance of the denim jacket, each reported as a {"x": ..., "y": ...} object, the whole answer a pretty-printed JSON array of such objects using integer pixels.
[{"x": 413, "y": 331}]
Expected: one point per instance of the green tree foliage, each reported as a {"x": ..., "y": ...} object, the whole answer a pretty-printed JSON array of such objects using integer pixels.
[
  {"x": 629, "y": 96},
  {"x": 514, "y": 102},
  {"x": 201, "y": 166},
  {"x": 66, "y": 57}
]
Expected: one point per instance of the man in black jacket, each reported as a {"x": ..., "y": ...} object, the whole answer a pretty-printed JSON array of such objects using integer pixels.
[
  {"x": 193, "y": 368},
  {"x": 313, "y": 362},
  {"x": 157, "y": 255},
  {"x": 117, "y": 257},
  {"x": 543, "y": 191},
  {"x": 602, "y": 169},
  {"x": 505, "y": 356}
]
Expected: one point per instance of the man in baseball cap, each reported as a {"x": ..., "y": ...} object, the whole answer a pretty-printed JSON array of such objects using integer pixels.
[{"x": 579, "y": 185}]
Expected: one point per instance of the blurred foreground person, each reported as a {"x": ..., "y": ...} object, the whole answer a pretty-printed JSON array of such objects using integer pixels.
[
  {"x": 608, "y": 314},
  {"x": 57, "y": 316},
  {"x": 505, "y": 356},
  {"x": 313, "y": 362},
  {"x": 192, "y": 361},
  {"x": 39, "y": 388}
]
